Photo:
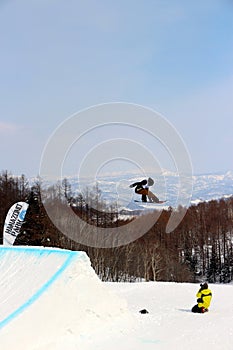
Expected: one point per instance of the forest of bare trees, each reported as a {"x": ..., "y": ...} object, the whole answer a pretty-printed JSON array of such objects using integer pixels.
[{"x": 201, "y": 247}]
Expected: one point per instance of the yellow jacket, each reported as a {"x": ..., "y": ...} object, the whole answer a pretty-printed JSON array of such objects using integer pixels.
[{"x": 204, "y": 298}]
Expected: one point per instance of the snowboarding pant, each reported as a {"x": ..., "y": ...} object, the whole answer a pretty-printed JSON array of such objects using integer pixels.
[
  {"x": 145, "y": 192},
  {"x": 199, "y": 310}
]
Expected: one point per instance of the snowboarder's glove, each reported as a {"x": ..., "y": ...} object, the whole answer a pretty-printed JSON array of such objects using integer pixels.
[
  {"x": 131, "y": 186},
  {"x": 199, "y": 300}
]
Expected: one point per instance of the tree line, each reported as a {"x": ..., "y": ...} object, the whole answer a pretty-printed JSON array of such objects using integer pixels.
[{"x": 201, "y": 247}]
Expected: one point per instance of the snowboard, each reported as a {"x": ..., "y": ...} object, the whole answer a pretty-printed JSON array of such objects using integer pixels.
[{"x": 159, "y": 202}]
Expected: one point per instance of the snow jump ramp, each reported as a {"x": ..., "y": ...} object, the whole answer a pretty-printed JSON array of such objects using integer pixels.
[{"x": 49, "y": 296}]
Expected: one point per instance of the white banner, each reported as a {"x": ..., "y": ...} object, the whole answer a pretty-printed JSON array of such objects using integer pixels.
[{"x": 13, "y": 222}]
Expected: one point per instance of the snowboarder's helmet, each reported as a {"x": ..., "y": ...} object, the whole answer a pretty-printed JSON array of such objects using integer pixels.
[
  {"x": 144, "y": 182},
  {"x": 150, "y": 181},
  {"x": 204, "y": 285}
]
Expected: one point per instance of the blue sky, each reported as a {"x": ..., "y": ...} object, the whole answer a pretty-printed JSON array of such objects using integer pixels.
[{"x": 58, "y": 57}]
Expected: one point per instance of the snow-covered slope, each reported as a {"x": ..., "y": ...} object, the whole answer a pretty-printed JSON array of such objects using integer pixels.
[
  {"x": 51, "y": 297},
  {"x": 52, "y": 300},
  {"x": 170, "y": 324}
]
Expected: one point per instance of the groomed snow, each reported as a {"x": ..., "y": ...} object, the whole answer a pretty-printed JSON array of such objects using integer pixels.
[
  {"x": 170, "y": 324},
  {"x": 49, "y": 296},
  {"x": 52, "y": 299}
]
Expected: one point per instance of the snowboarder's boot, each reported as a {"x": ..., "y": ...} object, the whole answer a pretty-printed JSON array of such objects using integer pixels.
[
  {"x": 203, "y": 310},
  {"x": 144, "y": 199}
]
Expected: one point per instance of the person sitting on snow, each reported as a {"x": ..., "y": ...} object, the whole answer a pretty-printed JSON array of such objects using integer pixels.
[
  {"x": 144, "y": 191},
  {"x": 204, "y": 296}
]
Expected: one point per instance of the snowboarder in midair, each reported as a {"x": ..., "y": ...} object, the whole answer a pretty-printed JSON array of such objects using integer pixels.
[
  {"x": 142, "y": 188},
  {"x": 204, "y": 296}
]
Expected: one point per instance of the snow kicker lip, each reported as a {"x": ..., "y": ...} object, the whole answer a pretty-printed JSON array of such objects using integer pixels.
[
  {"x": 47, "y": 297},
  {"x": 59, "y": 261}
]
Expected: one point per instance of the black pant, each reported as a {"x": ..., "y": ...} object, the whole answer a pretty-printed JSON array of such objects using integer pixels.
[{"x": 197, "y": 309}]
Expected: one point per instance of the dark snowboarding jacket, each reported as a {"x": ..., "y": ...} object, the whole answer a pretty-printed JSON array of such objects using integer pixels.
[{"x": 139, "y": 187}]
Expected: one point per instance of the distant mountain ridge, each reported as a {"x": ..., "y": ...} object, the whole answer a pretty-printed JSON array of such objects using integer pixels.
[{"x": 115, "y": 188}]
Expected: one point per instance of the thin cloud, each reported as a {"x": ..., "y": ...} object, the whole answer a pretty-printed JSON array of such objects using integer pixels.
[{"x": 8, "y": 127}]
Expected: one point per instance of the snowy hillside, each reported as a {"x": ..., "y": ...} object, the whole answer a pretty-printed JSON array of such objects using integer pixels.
[
  {"x": 169, "y": 323},
  {"x": 52, "y": 300}
]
